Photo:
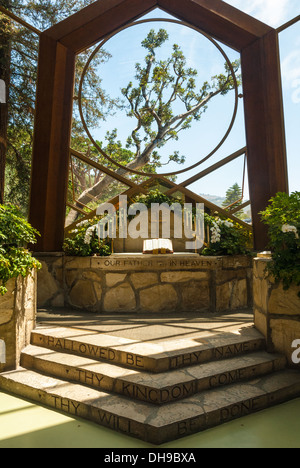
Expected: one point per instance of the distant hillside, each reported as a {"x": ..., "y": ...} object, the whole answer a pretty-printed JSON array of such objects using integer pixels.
[
  {"x": 213, "y": 198},
  {"x": 219, "y": 200}
]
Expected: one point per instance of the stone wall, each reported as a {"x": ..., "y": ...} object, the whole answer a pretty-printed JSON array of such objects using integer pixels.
[
  {"x": 17, "y": 319},
  {"x": 276, "y": 311},
  {"x": 145, "y": 283}
]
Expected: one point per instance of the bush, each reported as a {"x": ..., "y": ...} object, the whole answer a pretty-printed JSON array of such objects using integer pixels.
[
  {"x": 226, "y": 237},
  {"x": 282, "y": 217},
  {"x": 15, "y": 234},
  {"x": 83, "y": 241}
]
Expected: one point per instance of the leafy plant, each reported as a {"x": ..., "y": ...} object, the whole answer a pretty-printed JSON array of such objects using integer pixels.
[
  {"x": 226, "y": 237},
  {"x": 15, "y": 234},
  {"x": 156, "y": 196},
  {"x": 84, "y": 242},
  {"x": 282, "y": 217}
]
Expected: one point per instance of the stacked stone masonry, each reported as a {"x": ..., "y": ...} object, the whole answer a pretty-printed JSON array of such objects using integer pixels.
[
  {"x": 276, "y": 310},
  {"x": 145, "y": 283},
  {"x": 17, "y": 319}
]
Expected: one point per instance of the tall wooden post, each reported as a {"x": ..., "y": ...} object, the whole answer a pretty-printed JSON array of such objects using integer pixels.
[
  {"x": 51, "y": 143},
  {"x": 267, "y": 163}
]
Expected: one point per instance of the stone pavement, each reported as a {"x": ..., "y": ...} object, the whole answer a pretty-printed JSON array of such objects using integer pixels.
[
  {"x": 156, "y": 379},
  {"x": 149, "y": 327}
]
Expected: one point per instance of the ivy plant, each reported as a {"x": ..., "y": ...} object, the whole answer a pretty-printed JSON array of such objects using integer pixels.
[{"x": 15, "y": 234}]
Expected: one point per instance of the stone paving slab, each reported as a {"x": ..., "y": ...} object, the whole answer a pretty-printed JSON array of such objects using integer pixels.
[
  {"x": 133, "y": 326},
  {"x": 149, "y": 355},
  {"x": 154, "y": 424},
  {"x": 149, "y": 387}
]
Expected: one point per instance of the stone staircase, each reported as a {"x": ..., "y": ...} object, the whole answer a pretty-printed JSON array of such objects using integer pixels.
[{"x": 156, "y": 392}]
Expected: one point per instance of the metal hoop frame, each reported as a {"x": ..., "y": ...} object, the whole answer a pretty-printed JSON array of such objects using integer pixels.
[{"x": 136, "y": 23}]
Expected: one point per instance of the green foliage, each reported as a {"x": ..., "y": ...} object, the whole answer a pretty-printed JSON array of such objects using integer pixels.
[
  {"x": 282, "y": 217},
  {"x": 83, "y": 241},
  {"x": 226, "y": 238},
  {"x": 23, "y": 46},
  {"x": 15, "y": 234},
  {"x": 160, "y": 86},
  {"x": 234, "y": 198},
  {"x": 156, "y": 196}
]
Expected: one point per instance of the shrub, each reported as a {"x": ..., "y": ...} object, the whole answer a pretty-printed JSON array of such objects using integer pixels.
[
  {"x": 84, "y": 242},
  {"x": 226, "y": 237},
  {"x": 282, "y": 217},
  {"x": 15, "y": 234}
]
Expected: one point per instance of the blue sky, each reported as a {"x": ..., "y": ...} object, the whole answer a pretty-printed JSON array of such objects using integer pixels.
[{"x": 199, "y": 141}]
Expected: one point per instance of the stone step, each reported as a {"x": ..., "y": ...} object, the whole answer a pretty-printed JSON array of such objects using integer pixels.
[
  {"x": 148, "y": 356},
  {"x": 155, "y": 424},
  {"x": 152, "y": 388}
]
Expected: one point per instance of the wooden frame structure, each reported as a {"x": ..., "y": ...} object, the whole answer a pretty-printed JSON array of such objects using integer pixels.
[{"x": 259, "y": 49}]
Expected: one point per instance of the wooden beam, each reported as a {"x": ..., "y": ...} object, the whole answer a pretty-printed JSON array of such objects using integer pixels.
[
  {"x": 114, "y": 201},
  {"x": 87, "y": 27},
  {"x": 113, "y": 174},
  {"x": 52, "y": 135},
  {"x": 211, "y": 169},
  {"x": 222, "y": 21},
  {"x": 288, "y": 24},
  {"x": 240, "y": 207},
  {"x": 263, "y": 104},
  {"x": 20, "y": 21},
  {"x": 198, "y": 199},
  {"x": 74, "y": 207}
]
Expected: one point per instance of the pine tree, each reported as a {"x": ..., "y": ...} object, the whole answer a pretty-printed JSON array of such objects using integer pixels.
[{"x": 234, "y": 199}]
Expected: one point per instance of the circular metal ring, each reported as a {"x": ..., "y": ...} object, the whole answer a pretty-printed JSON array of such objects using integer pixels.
[{"x": 181, "y": 23}]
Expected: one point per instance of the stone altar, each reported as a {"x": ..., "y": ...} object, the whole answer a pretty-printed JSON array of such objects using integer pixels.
[{"x": 137, "y": 283}]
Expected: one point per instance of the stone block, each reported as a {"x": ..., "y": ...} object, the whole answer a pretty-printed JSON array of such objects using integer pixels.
[
  {"x": 159, "y": 298},
  {"x": 6, "y": 315},
  {"x": 284, "y": 302},
  {"x": 17, "y": 318},
  {"x": 196, "y": 297},
  {"x": 183, "y": 276},
  {"x": 120, "y": 299},
  {"x": 114, "y": 278},
  {"x": 283, "y": 333},
  {"x": 48, "y": 287},
  {"x": 231, "y": 295},
  {"x": 78, "y": 263},
  {"x": 83, "y": 295},
  {"x": 143, "y": 280},
  {"x": 223, "y": 276},
  {"x": 71, "y": 276},
  {"x": 236, "y": 261},
  {"x": 261, "y": 322},
  {"x": 276, "y": 311},
  {"x": 239, "y": 296}
]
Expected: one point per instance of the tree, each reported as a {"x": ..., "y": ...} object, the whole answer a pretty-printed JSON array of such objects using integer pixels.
[
  {"x": 5, "y": 44},
  {"x": 20, "y": 51},
  {"x": 234, "y": 198},
  {"x": 152, "y": 102}
]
